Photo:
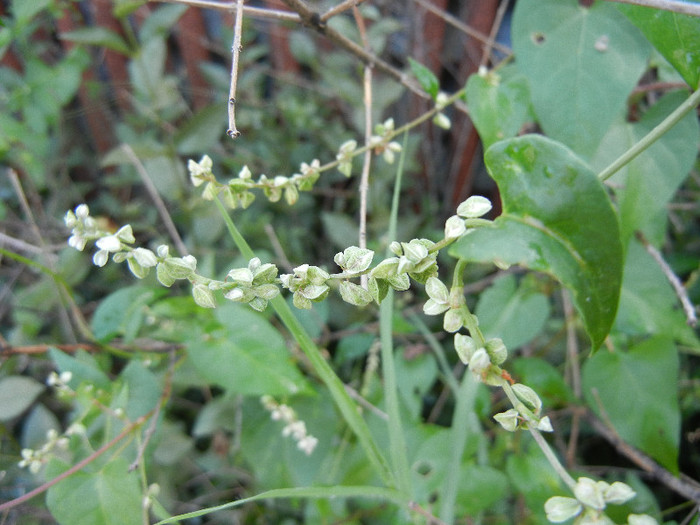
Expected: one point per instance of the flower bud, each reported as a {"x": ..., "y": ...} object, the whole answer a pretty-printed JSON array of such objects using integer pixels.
[
  {"x": 528, "y": 397},
  {"x": 475, "y": 206},
  {"x": 560, "y": 509},
  {"x": 454, "y": 227}
]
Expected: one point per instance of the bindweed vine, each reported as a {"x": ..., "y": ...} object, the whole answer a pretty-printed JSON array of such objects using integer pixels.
[{"x": 415, "y": 260}]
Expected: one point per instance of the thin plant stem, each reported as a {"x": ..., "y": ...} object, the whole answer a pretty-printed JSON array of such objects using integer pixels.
[
  {"x": 681, "y": 111},
  {"x": 336, "y": 10},
  {"x": 681, "y": 292},
  {"x": 75, "y": 468},
  {"x": 367, "y": 162},
  {"x": 459, "y": 432},
  {"x": 439, "y": 352},
  {"x": 397, "y": 440},
  {"x": 677, "y": 6},
  {"x": 235, "y": 53},
  {"x": 552, "y": 458},
  {"x": 156, "y": 198},
  {"x": 255, "y": 12},
  {"x": 335, "y": 386}
]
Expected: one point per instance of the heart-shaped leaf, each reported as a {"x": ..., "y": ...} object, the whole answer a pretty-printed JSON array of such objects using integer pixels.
[
  {"x": 581, "y": 63},
  {"x": 557, "y": 218}
]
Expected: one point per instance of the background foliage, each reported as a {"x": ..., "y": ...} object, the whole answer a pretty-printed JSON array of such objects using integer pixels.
[{"x": 104, "y": 103}]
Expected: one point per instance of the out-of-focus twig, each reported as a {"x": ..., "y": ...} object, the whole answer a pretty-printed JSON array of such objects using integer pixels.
[{"x": 688, "y": 308}]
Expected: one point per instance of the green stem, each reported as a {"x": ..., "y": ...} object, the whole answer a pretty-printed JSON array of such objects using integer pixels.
[
  {"x": 397, "y": 441},
  {"x": 464, "y": 409},
  {"x": 651, "y": 137},
  {"x": 541, "y": 442},
  {"x": 345, "y": 404}
]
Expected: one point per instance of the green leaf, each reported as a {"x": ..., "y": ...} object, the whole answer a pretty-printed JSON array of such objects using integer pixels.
[
  {"x": 545, "y": 227},
  {"x": 648, "y": 303},
  {"x": 642, "y": 382},
  {"x": 428, "y": 81},
  {"x": 543, "y": 378},
  {"x": 581, "y": 63},
  {"x": 675, "y": 36},
  {"x": 110, "y": 496},
  {"x": 414, "y": 378},
  {"x": 17, "y": 393},
  {"x": 202, "y": 131},
  {"x": 97, "y": 36},
  {"x": 247, "y": 355},
  {"x": 479, "y": 488},
  {"x": 121, "y": 313},
  {"x": 82, "y": 366},
  {"x": 515, "y": 314},
  {"x": 647, "y": 184},
  {"x": 143, "y": 389},
  {"x": 161, "y": 22},
  {"x": 498, "y": 104},
  {"x": 341, "y": 229}
]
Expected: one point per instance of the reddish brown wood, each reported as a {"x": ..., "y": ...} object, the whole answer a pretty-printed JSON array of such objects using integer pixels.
[
  {"x": 480, "y": 15},
  {"x": 432, "y": 37},
  {"x": 192, "y": 39},
  {"x": 282, "y": 59},
  {"x": 9, "y": 59},
  {"x": 116, "y": 63}
]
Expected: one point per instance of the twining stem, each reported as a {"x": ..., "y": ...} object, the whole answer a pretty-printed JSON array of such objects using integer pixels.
[
  {"x": 235, "y": 52},
  {"x": 344, "y": 402},
  {"x": 681, "y": 111}
]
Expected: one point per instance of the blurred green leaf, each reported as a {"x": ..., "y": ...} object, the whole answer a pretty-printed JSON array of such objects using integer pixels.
[
  {"x": 516, "y": 314},
  {"x": 161, "y": 22},
  {"x": 109, "y": 496},
  {"x": 83, "y": 368},
  {"x": 498, "y": 104},
  {"x": 202, "y": 131},
  {"x": 544, "y": 227},
  {"x": 246, "y": 355},
  {"x": 17, "y": 393},
  {"x": 647, "y": 184},
  {"x": 675, "y": 36},
  {"x": 581, "y": 62},
  {"x": 642, "y": 382},
  {"x": 426, "y": 78},
  {"x": 648, "y": 304},
  {"x": 122, "y": 313},
  {"x": 143, "y": 389},
  {"x": 97, "y": 36}
]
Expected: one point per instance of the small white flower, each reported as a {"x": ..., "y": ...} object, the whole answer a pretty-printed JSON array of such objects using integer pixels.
[
  {"x": 307, "y": 444},
  {"x": 109, "y": 243}
]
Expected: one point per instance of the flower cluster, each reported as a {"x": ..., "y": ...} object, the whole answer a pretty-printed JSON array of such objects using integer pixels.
[
  {"x": 294, "y": 426},
  {"x": 254, "y": 285},
  {"x": 591, "y": 499},
  {"x": 381, "y": 142},
  {"x": 441, "y": 120},
  {"x": 35, "y": 459}
]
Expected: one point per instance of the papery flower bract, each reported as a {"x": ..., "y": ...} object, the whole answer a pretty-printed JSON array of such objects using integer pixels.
[
  {"x": 560, "y": 509},
  {"x": 508, "y": 420},
  {"x": 618, "y": 493},
  {"x": 589, "y": 492}
]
